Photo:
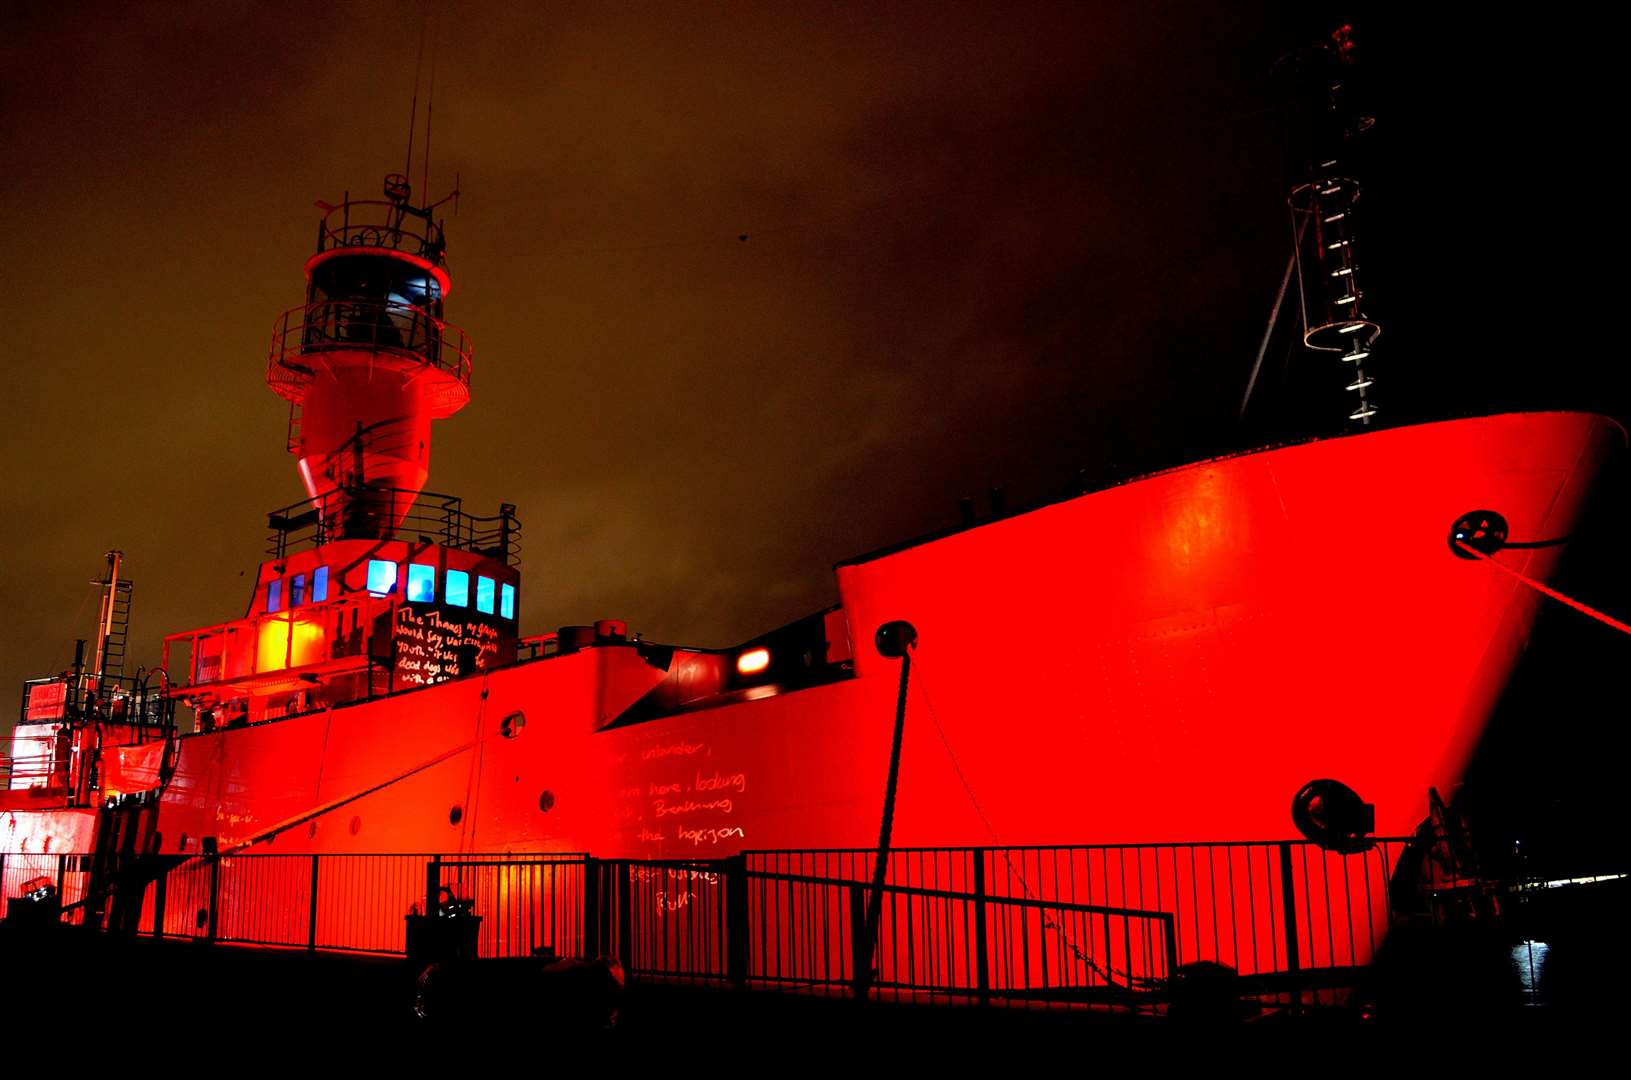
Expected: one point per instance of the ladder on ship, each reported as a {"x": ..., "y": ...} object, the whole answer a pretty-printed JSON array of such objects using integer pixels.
[
  {"x": 114, "y": 632},
  {"x": 113, "y": 649}
]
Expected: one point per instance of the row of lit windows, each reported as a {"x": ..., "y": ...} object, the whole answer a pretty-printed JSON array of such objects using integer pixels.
[
  {"x": 297, "y": 590},
  {"x": 455, "y": 587},
  {"x": 382, "y": 574}
]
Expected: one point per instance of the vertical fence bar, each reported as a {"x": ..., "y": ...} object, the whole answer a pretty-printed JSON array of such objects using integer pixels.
[
  {"x": 1288, "y": 901},
  {"x": 860, "y": 942},
  {"x": 982, "y": 963},
  {"x": 736, "y": 920},
  {"x": 214, "y": 898},
  {"x": 592, "y": 946},
  {"x": 161, "y": 887},
  {"x": 311, "y": 909},
  {"x": 625, "y": 915},
  {"x": 433, "y": 884}
]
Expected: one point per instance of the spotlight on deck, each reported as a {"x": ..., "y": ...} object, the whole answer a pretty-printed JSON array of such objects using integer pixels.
[{"x": 752, "y": 661}]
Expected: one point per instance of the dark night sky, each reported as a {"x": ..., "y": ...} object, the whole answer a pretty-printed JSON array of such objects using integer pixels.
[{"x": 987, "y": 244}]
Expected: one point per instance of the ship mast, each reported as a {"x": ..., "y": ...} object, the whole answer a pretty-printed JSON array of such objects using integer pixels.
[
  {"x": 1325, "y": 208},
  {"x": 104, "y": 621},
  {"x": 1322, "y": 130},
  {"x": 112, "y": 623}
]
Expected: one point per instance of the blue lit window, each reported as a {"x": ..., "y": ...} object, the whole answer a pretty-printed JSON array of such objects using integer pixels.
[
  {"x": 274, "y": 596},
  {"x": 381, "y": 577},
  {"x": 506, "y": 601},
  {"x": 484, "y": 595},
  {"x": 457, "y": 589},
  {"x": 297, "y": 590},
  {"x": 319, "y": 585},
  {"x": 421, "y": 583}
]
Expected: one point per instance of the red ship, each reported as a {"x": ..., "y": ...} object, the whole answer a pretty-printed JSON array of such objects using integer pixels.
[{"x": 1167, "y": 661}]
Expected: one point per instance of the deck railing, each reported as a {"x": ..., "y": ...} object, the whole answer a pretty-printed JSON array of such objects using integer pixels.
[
  {"x": 424, "y": 515},
  {"x": 1032, "y": 925},
  {"x": 301, "y": 336}
]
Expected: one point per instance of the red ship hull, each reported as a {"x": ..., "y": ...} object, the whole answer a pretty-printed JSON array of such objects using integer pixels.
[
  {"x": 1163, "y": 662},
  {"x": 1166, "y": 661}
]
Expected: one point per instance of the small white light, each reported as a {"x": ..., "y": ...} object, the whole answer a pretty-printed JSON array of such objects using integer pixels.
[{"x": 753, "y": 661}]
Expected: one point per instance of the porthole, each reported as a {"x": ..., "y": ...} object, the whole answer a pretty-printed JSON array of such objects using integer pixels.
[
  {"x": 510, "y": 727},
  {"x": 546, "y": 801},
  {"x": 356, "y": 826},
  {"x": 455, "y": 815}
]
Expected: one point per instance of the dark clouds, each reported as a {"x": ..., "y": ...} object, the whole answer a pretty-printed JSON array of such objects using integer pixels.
[{"x": 985, "y": 245}]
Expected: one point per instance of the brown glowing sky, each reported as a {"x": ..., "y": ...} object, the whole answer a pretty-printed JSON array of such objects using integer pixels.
[{"x": 987, "y": 244}]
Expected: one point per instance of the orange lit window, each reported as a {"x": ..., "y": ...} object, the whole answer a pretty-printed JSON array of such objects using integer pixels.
[{"x": 288, "y": 642}]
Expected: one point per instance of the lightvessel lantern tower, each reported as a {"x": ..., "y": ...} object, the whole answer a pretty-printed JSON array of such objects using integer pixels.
[
  {"x": 372, "y": 585},
  {"x": 368, "y": 362}
]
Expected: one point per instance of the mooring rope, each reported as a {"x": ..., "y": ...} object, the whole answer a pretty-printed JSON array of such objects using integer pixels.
[
  {"x": 1584, "y": 609},
  {"x": 1103, "y": 971}
]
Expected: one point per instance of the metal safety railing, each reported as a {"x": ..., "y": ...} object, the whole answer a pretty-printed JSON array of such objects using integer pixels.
[
  {"x": 1053, "y": 926},
  {"x": 422, "y": 515},
  {"x": 377, "y": 223},
  {"x": 302, "y": 336}
]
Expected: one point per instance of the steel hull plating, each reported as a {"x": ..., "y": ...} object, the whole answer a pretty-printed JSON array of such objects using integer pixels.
[
  {"x": 1166, "y": 661},
  {"x": 1162, "y": 663}
]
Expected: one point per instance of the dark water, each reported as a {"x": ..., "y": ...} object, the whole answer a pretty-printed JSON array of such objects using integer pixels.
[{"x": 1558, "y": 955}]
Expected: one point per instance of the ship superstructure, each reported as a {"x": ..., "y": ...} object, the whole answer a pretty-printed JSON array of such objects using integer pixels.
[
  {"x": 372, "y": 585},
  {"x": 1166, "y": 661}
]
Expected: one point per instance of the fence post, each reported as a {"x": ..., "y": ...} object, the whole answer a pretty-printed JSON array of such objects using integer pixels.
[
  {"x": 161, "y": 888},
  {"x": 982, "y": 962},
  {"x": 737, "y": 937},
  {"x": 860, "y": 942},
  {"x": 62, "y": 874},
  {"x": 311, "y": 912},
  {"x": 625, "y": 915},
  {"x": 1288, "y": 903},
  {"x": 591, "y": 909},
  {"x": 433, "y": 884},
  {"x": 215, "y": 897}
]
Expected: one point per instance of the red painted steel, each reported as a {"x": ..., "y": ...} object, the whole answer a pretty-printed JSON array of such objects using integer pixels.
[
  {"x": 1164, "y": 661},
  {"x": 1167, "y": 661}
]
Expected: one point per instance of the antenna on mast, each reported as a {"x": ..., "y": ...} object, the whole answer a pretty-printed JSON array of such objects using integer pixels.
[
  {"x": 413, "y": 109},
  {"x": 430, "y": 101}
]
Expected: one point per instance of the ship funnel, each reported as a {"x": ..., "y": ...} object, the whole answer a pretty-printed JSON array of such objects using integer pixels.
[{"x": 368, "y": 361}]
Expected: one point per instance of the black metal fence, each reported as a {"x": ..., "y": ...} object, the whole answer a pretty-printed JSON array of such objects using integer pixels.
[{"x": 1022, "y": 925}]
